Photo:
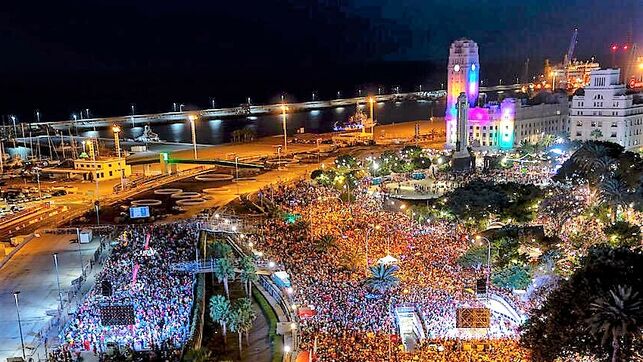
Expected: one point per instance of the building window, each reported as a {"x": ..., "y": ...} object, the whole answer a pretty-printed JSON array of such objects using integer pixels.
[
  {"x": 613, "y": 124},
  {"x": 578, "y": 134},
  {"x": 613, "y": 134}
]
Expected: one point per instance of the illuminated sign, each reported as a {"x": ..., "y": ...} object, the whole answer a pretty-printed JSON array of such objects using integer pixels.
[{"x": 139, "y": 212}]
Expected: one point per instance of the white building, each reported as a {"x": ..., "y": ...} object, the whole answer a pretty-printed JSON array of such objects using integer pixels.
[
  {"x": 497, "y": 125},
  {"x": 533, "y": 122},
  {"x": 607, "y": 112}
]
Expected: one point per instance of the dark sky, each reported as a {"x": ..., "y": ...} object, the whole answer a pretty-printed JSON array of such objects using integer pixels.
[{"x": 59, "y": 56}]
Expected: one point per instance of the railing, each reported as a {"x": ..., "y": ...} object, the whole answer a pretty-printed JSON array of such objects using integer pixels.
[{"x": 277, "y": 294}]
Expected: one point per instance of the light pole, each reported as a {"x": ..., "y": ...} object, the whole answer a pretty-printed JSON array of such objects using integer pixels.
[
  {"x": 38, "y": 180},
  {"x": 371, "y": 101},
  {"x": 15, "y": 131},
  {"x": 283, "y": 124},
  {"x": 479, "y": 237},
  {"x": 181, "y": 107},
  {"x": 75, "y": 125},
  {"x": 80, "y": 251},
  {"x": 117, "y": 144},
  {"x": 279, "y": 158},
  {"x": 22, "y": 341},
  {"x": 236, "y": 171},
  {"x": 60, "y": 294},
  {"x": 192, "y": 118}
]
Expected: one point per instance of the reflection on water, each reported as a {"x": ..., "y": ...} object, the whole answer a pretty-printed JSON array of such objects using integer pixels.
[{"x": 216, "y": 131}]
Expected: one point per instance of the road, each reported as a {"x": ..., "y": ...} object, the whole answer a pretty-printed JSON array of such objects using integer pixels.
[{"x": 31, "y": 271}]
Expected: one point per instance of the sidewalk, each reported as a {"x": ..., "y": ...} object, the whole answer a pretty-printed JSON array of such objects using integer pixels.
[{"x": 32, "y": 272}]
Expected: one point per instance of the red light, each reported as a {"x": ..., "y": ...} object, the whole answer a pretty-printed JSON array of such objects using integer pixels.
[
  {"x": 625, "y": 47},
  {"x": 614, "y": 47}
]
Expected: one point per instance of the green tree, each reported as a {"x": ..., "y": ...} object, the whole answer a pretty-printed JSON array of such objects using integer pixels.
[
  {"x": 616, "y": 318},
  {"x": 242, "y": 318},
  {"x": 613, "y": 193},
  {"x": 198, "y": 355},
  {"x": 505, "y": 251},
  {"x": 411, "y": 151},
  {"x": 221, "y": 249},
  {"x": 475, "y": 257},
  {"x": 421, "y": 163},
  {"x": 224, "y": 272},
  {"x": 220, "y": 311},
  {"x": 316, "y": 174},
  {"x": 346, "y": 161},
  {"x": 622, "y": 233},
  {"x": 382, "y": 277},
  {"x": 596, "y": 134},
  {"x": 560, "y": 327},
  {"x": 512, "y": 277},
  {"x": 248, "y": 274},
  {"x": 325, "y": 243}
]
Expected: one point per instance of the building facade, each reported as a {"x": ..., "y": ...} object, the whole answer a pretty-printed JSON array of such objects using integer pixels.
[
  {"x": 496, "y": 125},
  {"x": 103, "y": 168},
  {"x": 607, "y": 111}
]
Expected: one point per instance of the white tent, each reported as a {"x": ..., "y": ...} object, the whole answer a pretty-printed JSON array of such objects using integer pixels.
[{"x": 387, "y": 260}]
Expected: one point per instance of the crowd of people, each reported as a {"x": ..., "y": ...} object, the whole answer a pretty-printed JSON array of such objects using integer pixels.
[
  {"x": 354, "y": 323},
  {"x": 139, "y": 273}
]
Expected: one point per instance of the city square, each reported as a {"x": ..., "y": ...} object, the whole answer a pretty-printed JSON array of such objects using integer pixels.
[{"x": 446, "y": 216}]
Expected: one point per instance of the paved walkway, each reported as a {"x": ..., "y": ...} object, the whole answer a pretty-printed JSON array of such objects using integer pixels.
[{"x": 31, "y": 271}]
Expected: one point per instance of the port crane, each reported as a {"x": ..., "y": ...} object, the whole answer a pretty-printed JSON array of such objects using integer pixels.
[{"x": 570, "y": 50}]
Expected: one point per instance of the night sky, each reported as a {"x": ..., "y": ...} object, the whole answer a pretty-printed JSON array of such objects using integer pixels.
[{"x": 60, "y": 56}]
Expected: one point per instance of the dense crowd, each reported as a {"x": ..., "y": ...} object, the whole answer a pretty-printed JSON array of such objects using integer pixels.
[
  {"x": 352, "y": 322},
  {"x": 139, "y": 271}
]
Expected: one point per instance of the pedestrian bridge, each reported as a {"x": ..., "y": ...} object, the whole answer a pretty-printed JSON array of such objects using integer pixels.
[
  {"x": 209, "y": 266},
  {"x": 410, "y": 327}
]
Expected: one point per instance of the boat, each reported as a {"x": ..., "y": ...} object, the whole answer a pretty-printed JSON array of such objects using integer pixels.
[
  {"x": 148, "y": 136},
  {"x": 355, "y": 122}
]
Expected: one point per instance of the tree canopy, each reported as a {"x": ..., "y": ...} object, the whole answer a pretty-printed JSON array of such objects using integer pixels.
[{"x": 563, "y": 325}]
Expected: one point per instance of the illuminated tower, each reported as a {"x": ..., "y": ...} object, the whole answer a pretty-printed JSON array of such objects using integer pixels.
[{"x": 462, "y": 76}]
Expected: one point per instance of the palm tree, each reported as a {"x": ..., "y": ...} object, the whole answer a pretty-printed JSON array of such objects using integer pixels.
[
  {"x": 325, "y": 242},
  {"x": 596, "y": 134},
  {"x": 221, "y": 249},
  {"x": 618, "y": 317},
  {"x": 614, "y": 193},
  {"x": 383, "y": 277},
  {"x": 224, "y": 271},
  {"x": 241, "y": 318},
  {"x": 248, "y": 274},
  {"x": 198, "y": 355},
  {"x": 220, "y": 311}
]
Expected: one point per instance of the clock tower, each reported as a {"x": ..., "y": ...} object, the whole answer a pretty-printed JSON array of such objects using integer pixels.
[{"x": 462, "y": 77}]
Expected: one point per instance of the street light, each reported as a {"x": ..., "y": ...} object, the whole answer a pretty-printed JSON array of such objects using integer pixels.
[
  {"x": 15, "y": 131},
  {"x": 117, "y": 143},
  {"x": 283, "y": 124},
  {"x": 22, "y": 341},
  {"x": 192, "y": 118},
  {"x": 479, "y": 237},
  {"x": 60, "y": 294}
]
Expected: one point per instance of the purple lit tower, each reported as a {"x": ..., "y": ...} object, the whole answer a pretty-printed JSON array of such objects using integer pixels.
[{"x": 462, "y": 77}]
